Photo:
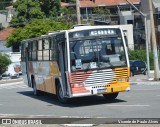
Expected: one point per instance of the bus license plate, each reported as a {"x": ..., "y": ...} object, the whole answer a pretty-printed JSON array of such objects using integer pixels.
[{"x": 101, "y": 90}]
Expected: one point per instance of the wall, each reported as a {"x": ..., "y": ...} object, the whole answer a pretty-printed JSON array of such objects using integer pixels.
[
  {"x": 125, "y": 16},
  {"x": 13, "y": 67},
  {"x": 128, "y": 30},
  {"x": 15, "y": 57},
  {"x": 3, "y": 20},
  {"x": 3, "y": 48}
]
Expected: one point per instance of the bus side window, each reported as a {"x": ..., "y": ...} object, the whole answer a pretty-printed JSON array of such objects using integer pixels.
[
  {"x": 53, "y": 49},
  {"x": 29, "y": 50},
  {"x": 45, "y": 49},
  {"x": 34, "y": 50},
  {"x": 40, "y": 49}
]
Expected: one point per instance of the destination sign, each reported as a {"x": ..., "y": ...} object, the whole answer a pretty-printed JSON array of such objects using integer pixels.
[
  {"x": 95, "y": 32},
  {"x": 102, "y": 32}
]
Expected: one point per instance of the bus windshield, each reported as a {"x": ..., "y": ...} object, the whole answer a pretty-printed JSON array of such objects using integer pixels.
[{"x": 97, "y": 53}]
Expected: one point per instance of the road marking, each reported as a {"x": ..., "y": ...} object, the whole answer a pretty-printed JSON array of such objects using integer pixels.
[
  {"x": 129, "y": 105},
  {"x": 147, "y": 89},
  {"x": 12, "y": 86},
  {"x": 78, "y": 125}
]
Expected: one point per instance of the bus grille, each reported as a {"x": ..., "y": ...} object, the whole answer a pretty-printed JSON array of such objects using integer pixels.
[
  {"x": 120, "y": 73},
  {"x": 98, "y": 77}
]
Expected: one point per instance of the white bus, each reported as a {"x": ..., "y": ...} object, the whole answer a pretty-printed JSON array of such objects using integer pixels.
[{"x": 83, "y": 61}]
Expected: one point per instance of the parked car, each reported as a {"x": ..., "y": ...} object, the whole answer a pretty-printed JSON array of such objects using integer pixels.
[
  {"x": 14, "y": 75},
  {"x": 137, "y": 67},
  {"x": 5, "y": 76}
]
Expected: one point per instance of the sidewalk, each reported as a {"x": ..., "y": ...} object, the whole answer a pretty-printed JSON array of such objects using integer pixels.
[
  {"x": 11, "y": 81},
  {"x": 141, "y": 79}
]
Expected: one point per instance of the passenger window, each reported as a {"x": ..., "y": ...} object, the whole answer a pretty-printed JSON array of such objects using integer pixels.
[{"x": 46, "y": 49}]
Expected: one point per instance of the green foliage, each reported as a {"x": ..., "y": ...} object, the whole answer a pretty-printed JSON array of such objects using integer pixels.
[
  {"x": 101, "y": 11},
  {"x": 4, "y": 62},
  {"x": 69, "y": 1},
  {"x": 51, "y": 8},
  {"x": 36, "y": 28},
  {"x": 28, "y": 10},
  {"x": 141, "y": 55},
  {"x": 5, "y": 3},
  {"x": 68, "y": 16}
]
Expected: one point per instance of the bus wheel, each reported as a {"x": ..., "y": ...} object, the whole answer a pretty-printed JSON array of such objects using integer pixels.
[
  {"x": 111, "y": 96},
  {"x": 35, "y": 91},
  {"x": 60, "y": 95}
]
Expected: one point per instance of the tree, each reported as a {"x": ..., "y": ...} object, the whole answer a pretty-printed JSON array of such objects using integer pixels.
[
  {"x": 102, "y": 14},
  {"x": 36, "y": 17},
  {"x": 4, "y": 62},
  {"x": 36, "y": 28},
  {"x": 101, "y": 11},
  {"x": 27, "y": 10},
  {"x": 5, "y": 3},
  {"x": 68, "y": 15},
  {"x": 51, "y": 8}
]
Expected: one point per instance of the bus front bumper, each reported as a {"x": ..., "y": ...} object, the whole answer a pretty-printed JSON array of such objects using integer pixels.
[{"x": 100, "y": 89}]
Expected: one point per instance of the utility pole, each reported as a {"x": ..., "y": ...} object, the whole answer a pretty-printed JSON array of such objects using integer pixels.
[
  {"x": 147, "y": 40},
  {"x": 78, "y": 12},
  {"x": 154, "y": 43}
]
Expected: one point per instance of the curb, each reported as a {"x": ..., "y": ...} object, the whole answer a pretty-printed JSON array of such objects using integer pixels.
[
  {"x": 145, "y": 82},
  {"x": 10, "y": 81}
]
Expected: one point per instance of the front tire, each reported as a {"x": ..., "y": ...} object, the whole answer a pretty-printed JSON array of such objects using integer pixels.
[
  {"x": 35, "y": 91},
  {"x": 60, "y": 95},
  {"x": 111, "y": 96}
]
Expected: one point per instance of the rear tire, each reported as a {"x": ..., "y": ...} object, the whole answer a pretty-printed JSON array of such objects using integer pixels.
[
  {"x": 111, "y": 96},
  {"x": 60, "y": 95}
]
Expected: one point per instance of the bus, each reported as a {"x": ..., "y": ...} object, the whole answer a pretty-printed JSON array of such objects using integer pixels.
[{"x": 82, "y": 61}]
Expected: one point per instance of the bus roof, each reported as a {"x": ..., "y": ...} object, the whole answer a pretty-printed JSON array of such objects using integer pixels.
[
  {"x": 74, "y": 28},
  {"x": 93, "y": 27}
]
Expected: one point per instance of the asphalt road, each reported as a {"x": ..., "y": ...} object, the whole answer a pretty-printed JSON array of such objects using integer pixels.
[{"x": 141, "y": 102}]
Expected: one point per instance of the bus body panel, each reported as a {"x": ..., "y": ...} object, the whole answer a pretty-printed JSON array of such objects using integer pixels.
[{"x": 44, "y": 74}]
